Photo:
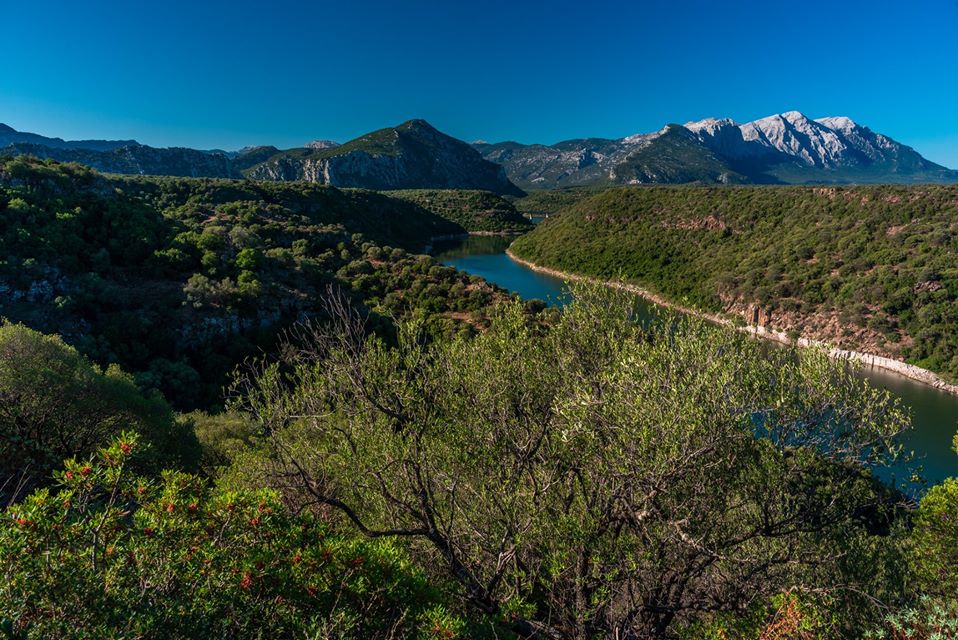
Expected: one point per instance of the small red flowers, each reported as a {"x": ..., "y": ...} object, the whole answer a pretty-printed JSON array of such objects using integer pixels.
[
  {"x": 193, "y": 506},
  {"x": 170, "y": 508},
  {"x": 357, "y": 561},
  {"x": 246, "y": 582},
  {"x": 66, "y": 504},
  {"x": 311, "y": 590},
  {"x": 85, "y": 471},
  {"x": 148, "y": 531},
  {"x": 254, "y": 521},
  {"x": 297, "y": 559},
  {"x": 109, "y": 551},
  {"x": 69, "y": 475},
  {"x": 125, "y": 448},
  {"x": 23, "y": 522},
  {"x": 141, "y": 489}
]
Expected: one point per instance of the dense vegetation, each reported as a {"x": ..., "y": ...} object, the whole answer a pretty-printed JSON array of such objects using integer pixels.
[
  {"x": 417, "y": 455},
  {"x": 575, "y": 480},
  {"x": 474, "y": 210},
  {"x": 549, "y": 201},
  {"x": 178, "y": 280},
  {"x": 112, "y": 555},
  {"x": 868, "y": 268},
  {"x": 54, "y": 403}
]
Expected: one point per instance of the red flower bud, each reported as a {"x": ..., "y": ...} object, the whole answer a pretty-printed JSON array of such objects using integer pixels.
[
  {"x": 254, "y": 521},
  {"x": 297, "y": 558},
  {"x": 141, "y": 489},
  {"x": 246, "y": 581},
  {"x": 69, "y": 475},
  {"x": 125, "y": 448},
  {"x": 22, "y": 522},
  {"x": 311, "y": 590},
  {"x": 148, "y": 531},
  {"x": 169, "y": 508},
  {"x": 193, "y": 506},
  {"x": 85, "y": 471}
]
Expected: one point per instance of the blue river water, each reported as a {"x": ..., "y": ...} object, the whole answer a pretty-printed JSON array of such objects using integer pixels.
[{"x": 934, "y": 413}]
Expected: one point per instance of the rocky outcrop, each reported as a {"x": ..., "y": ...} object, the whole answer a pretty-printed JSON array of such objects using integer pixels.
[
  {"x": 787, "y": 148},
  {"x": 138, "y": 160},
  {"x": 413, "y": 155}
]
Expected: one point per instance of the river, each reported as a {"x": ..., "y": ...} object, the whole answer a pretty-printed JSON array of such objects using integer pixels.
[{"x": 934, "y": 413}]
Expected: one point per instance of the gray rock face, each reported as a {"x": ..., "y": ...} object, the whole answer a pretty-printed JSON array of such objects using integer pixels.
[
  {"x": 787, "y": 148},
  {"x": 413, "y": 155},
  {"x": 138, "y": 159},
  {"x": 322, "y": 144}
]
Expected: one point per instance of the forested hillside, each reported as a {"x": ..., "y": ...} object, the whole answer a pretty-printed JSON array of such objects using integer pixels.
[
  {"x": 178, "y": 280},
  {"x": 865, "y": 268},
  {"x": 422, "y": 455}
]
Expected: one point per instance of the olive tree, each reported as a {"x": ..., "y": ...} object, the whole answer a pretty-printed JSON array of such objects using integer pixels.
[{"x": 594, "y": 477}]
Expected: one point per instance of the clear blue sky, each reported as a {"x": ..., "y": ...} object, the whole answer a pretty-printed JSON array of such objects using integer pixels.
[{"x": 226, "y": 74}]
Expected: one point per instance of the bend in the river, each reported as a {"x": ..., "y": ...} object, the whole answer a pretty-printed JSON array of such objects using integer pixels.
[{"x": 934, "y": 412}]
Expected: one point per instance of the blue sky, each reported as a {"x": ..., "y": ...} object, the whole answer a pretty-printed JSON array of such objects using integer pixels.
[{"x": 226, "y": 74}]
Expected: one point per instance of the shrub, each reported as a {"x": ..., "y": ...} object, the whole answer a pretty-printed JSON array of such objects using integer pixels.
[{"x": 108, "y": 554}]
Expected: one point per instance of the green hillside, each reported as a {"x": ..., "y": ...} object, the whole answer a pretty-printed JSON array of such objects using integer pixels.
[
  {"x": 868, "y": 268},
  {"x": 473, "y": 210},
  {"x": 178, "y": 280}
]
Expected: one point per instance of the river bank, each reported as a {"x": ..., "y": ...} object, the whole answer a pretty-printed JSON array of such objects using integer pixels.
[{"x": 918, "y": 374}]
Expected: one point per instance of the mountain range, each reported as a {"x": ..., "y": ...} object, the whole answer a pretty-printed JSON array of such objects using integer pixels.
[
  {"x": 412, "y": 155},
  {"x": 787, "y": 148}
]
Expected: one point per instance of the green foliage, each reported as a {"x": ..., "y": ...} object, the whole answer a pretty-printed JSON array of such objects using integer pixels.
[
  {"x": 588, "y": 476},
  {"x": 179, "y": 280},
  {"x": 869, "y": 268},
  {"x": 110, "y": 555},
  {"x": 223, "y": 438},
  {"x": 930, "y": 619},
  {"x": 473, "y": 210},
  {"x": 55, "y": 403},
  {"x": 550, "y": 201},
  {"x": 934, "y": 541}
]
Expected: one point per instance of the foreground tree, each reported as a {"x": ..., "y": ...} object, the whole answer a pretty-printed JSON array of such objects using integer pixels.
[
  {"x": 933, "y": 569},
  {"x": 55, "y": 403},
  {"x": 113, "y": 555},
  {"x": 596, "y": 478}
]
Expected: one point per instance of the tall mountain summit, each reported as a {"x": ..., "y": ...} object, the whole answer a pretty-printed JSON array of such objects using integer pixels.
[{"x": 787, "y": 148}]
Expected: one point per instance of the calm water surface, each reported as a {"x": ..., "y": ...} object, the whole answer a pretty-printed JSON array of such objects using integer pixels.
[{"x": 934, "y": 413}]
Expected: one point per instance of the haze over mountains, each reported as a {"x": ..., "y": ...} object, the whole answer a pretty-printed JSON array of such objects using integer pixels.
[{"x": 787, "y": 148}]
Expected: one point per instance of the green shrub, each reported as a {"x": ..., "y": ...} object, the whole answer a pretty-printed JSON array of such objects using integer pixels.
[{"x": 111, "y": 555}]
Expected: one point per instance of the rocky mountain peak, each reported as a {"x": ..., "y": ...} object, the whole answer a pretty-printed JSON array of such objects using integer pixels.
[
  {"x": 322, "y": 144},
  {"x": 838, "y": 123}
]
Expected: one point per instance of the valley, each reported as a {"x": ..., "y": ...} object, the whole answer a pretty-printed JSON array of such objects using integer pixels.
[
  {"x": 934, "y": 412},
  {"x": 275, "y": 343}
]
